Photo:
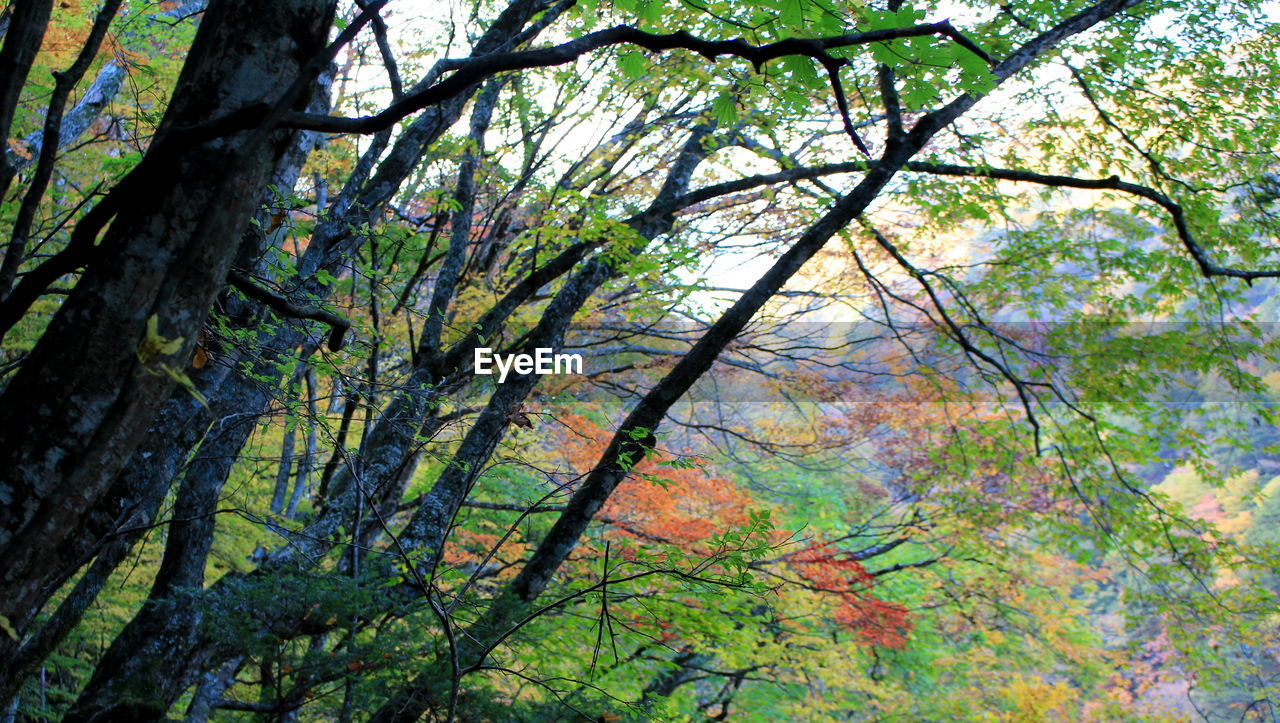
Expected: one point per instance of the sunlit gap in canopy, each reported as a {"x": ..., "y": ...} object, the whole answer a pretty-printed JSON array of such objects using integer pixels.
[{"x": 435, "y": 29}]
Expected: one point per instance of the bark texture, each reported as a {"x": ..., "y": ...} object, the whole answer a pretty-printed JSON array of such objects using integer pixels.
[{"x": 77, "y": 409}]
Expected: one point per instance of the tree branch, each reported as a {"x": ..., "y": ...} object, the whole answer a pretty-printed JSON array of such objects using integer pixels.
[
  {"x": 1207, "y": 267},
  {"x": 467, "y": 73},
  {"x": 337, "y": 324}
]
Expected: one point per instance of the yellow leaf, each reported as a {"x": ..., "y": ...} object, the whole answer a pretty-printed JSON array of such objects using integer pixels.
[
  {"x": 185, "y": 381},
  {"x": 154, "y": 345}
]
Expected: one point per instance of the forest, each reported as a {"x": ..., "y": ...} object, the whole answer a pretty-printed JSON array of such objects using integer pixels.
[{"x": 639, "y": 360}]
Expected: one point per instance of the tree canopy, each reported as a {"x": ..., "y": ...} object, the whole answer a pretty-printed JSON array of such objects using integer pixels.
[{"x": 639, "y": 360}]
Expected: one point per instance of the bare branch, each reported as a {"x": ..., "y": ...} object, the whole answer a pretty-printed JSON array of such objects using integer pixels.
[{"x": 337, "y": 324}]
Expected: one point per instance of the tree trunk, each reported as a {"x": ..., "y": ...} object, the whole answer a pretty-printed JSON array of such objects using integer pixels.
[
  {"x": 24, "y": 29},
  {"x": 131, "y": 503},
  {"x": 302, "y": 480},
  {"x": 286, "y": 460},
  {"x": 77, "y": 409}
]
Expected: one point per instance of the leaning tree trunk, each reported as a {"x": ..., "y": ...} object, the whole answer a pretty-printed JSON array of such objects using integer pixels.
[
  {"x": 130, "y": 505},
  {"x": 78, "y": 407},
  {"x": 23, "y": 35}
]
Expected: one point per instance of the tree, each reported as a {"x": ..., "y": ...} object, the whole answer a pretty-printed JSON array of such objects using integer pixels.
[{"x": 259, "y": 258}]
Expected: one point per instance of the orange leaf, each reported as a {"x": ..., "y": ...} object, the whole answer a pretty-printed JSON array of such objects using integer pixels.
[{"x": 20, "y": 148}]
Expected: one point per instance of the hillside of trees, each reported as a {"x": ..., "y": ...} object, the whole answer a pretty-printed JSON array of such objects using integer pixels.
[{"x": 899, "y": 362}]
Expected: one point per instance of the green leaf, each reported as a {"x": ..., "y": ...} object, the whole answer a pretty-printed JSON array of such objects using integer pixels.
[
  {"x": 918, "y": 94},
  {"x": 725, "y": 109},
  {"x": 632, "y": 63},
  {"x": 801, "y": 70},
  {"x": 649, "y": 12},
  {"x": 791, "y": 13}
]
